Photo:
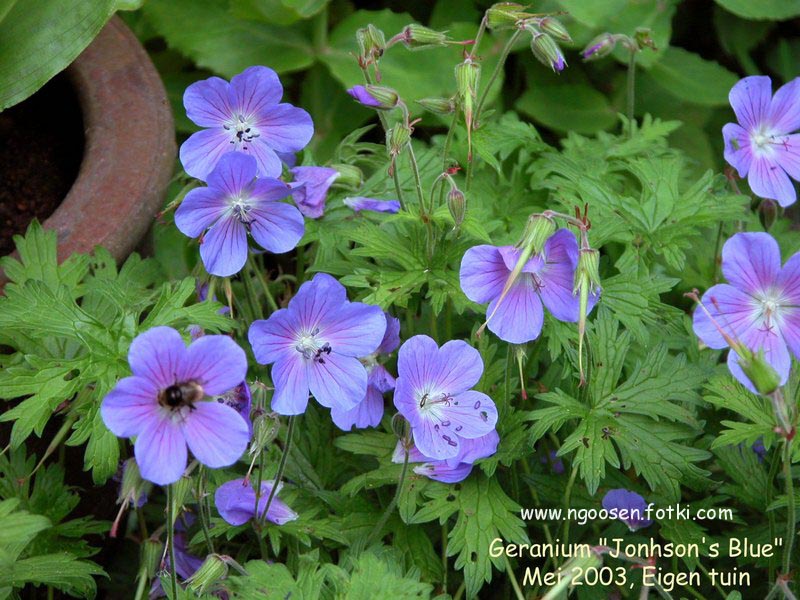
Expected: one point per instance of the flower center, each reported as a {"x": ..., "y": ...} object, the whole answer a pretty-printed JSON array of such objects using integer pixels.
[
  {"x": 312, "y": 348},
  {"x": 240, "y": 208},
  {"x": 762, "y": 141},
  {"x": 770, "y": 304},
  {"x": 242, "y": 132},
  {"x": 181, "y": 394}
]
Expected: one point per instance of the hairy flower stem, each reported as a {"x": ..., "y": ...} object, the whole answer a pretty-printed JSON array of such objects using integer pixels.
[
  {"x": 773, "y": 472},
  {"x": 281, "y": 468},
  {"x": 173, "y": 577},
  {"x": 478, "y": 37},
  {"x": 567, "y": 498},
  {"x": 252, "y": 295},
  {"x": 631, "y": 89},
  {"x": 513, "y": 579},
  {"x": 790, "y": 518},
  {"x": 273, "y": 306},
  {"x": 389, "y": 509},
  {"x": 203, "y": 506},
  {"x": 385, "y": 124},
  {"x": 497, "y": 69}
]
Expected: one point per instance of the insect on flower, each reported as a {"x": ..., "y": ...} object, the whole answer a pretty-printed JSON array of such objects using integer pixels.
[{"x": 163, "y": 404}]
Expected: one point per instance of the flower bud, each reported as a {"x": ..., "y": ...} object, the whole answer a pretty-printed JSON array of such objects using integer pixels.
[
  {"x": 644, "y": 38},
  {"x": 396, "y": 138},
  {"x": 760, "y": 373},
  {"x": 587, "y": 281},
  {"x": 588, "y": 269},
  {"x": 132, "y": 487},
  {"x": 150, "y": 556},
  {"x": 375, "y": 96},
  {"x": 554, "y": 27},
  {"x": 537, "y": 231},
  {"x": 417, "y": 37},
  {"x": 439, "y": 106},
  {"x": 180, "y": 492},
  {"x": 601, "y": 46},
  {"x": 265, "y": 429},
  {"x": 400, "y": 427},
  {"x": 457, "y": 205},
  {"x": 371, "y": 42},
  {"x": 350, "y": 176},
  {"x": 213, "y": 569},
  {"x": 467, "y": 76},
  {"x": 547, "y": 52},
  {"x": 768, "y": 213},
  {"x": 504, "y": 14}
]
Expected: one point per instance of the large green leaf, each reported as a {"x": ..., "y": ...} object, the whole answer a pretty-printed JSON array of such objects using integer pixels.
[
  {"x": 687, "y": 76},
  {"x": 771, "y": 10},
  {"x": 42, "y": 38},
  {"x": 568, "y": 107},
  {"x": 215, "y": 38}
]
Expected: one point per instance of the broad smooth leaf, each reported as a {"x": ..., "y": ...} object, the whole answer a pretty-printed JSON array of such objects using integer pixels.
[
  {"x": 689, "y": 77},
  {"x": 42, "y": 38},
  {"x": 568, "y": 107},
  {"x": 210, "y": 34},
  {"x": 769, "y": 10}
]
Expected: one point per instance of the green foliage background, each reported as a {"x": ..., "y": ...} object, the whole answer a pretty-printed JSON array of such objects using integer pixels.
[{"x": 658, "y": 415}]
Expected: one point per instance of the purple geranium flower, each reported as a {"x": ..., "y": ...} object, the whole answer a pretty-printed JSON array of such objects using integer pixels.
[
  {"x": 242, "y": 116},
  {"x": 433, "y": 394},
  {"x": 315, "y": 344},
  {"x": 236, "y": 503},
  {"x": 233, "y": 204},
  {"x": 555, "y": 462},
  {"x": 369, "y": 411},
  {"x": 163, "y": 405},
  {"x": 759, "y": 147},
  {"x": 760, "y": 307},
  {"x": 241, "y": 400},
  {"x": 360, "y": 203},
  {"x": 450, "y": 470},
  {"x": 547, "y": 278},
  {"x": 628, "y": 507},
  {"x": 362, "y": 96},
  {"x": 310, "y": 189}
]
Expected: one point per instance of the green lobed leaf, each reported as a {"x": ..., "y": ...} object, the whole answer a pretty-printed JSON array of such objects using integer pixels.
[{"x": 685, "y": 75}]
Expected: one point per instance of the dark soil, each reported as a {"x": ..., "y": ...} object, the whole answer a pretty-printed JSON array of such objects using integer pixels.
[{"x": 40, "y": 154}]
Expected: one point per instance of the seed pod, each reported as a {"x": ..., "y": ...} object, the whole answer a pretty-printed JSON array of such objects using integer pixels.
[
  {"x": 547, "y": 52},
  {"x": 457, "y": 205},
  {"x": 504, "y": 14},
  {"x": 554, "y": 27},
  {"x": 439, "y": 106},
  {"x": 601, "y": 46},
  {"x": 417, "y": 37},
  {"x": 213, "y": 569}
]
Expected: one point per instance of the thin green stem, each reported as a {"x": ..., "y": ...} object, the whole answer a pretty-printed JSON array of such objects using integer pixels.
[
  {"x": 171, "y": 540},
  {"x": 460, "y": 591},
  {"x": 140, "y": 586},
  {"x": 203, "y": 507},
  {"x": 497, "y": 69},
  {"x": 320, "y": 33},
  {"x": 631, "y": 90},
  {"x": 389, "y": 509},
  {"x": 415, "y": 170},
  {"x": 252, "y": 295},
  {"x": 281, "y": 468},
  {"x": 717, "y": 586},
  {"x": 513, "y": 579},
  {"x": 790, "y": 517},
  {"x": 273, "y": 306},
  {"x": 567, "y": 497},
  {"x": 444, "y": 557},
  {"x": 773, "y": 527},
  {"x": 478, "y": 38}
]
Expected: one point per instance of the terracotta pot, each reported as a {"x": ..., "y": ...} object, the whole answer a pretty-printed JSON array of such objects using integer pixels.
[{"x": 129, "y": 148}]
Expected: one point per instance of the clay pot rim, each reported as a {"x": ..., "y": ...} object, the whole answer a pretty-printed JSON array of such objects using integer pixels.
[{"x": 129, "y": 147}]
